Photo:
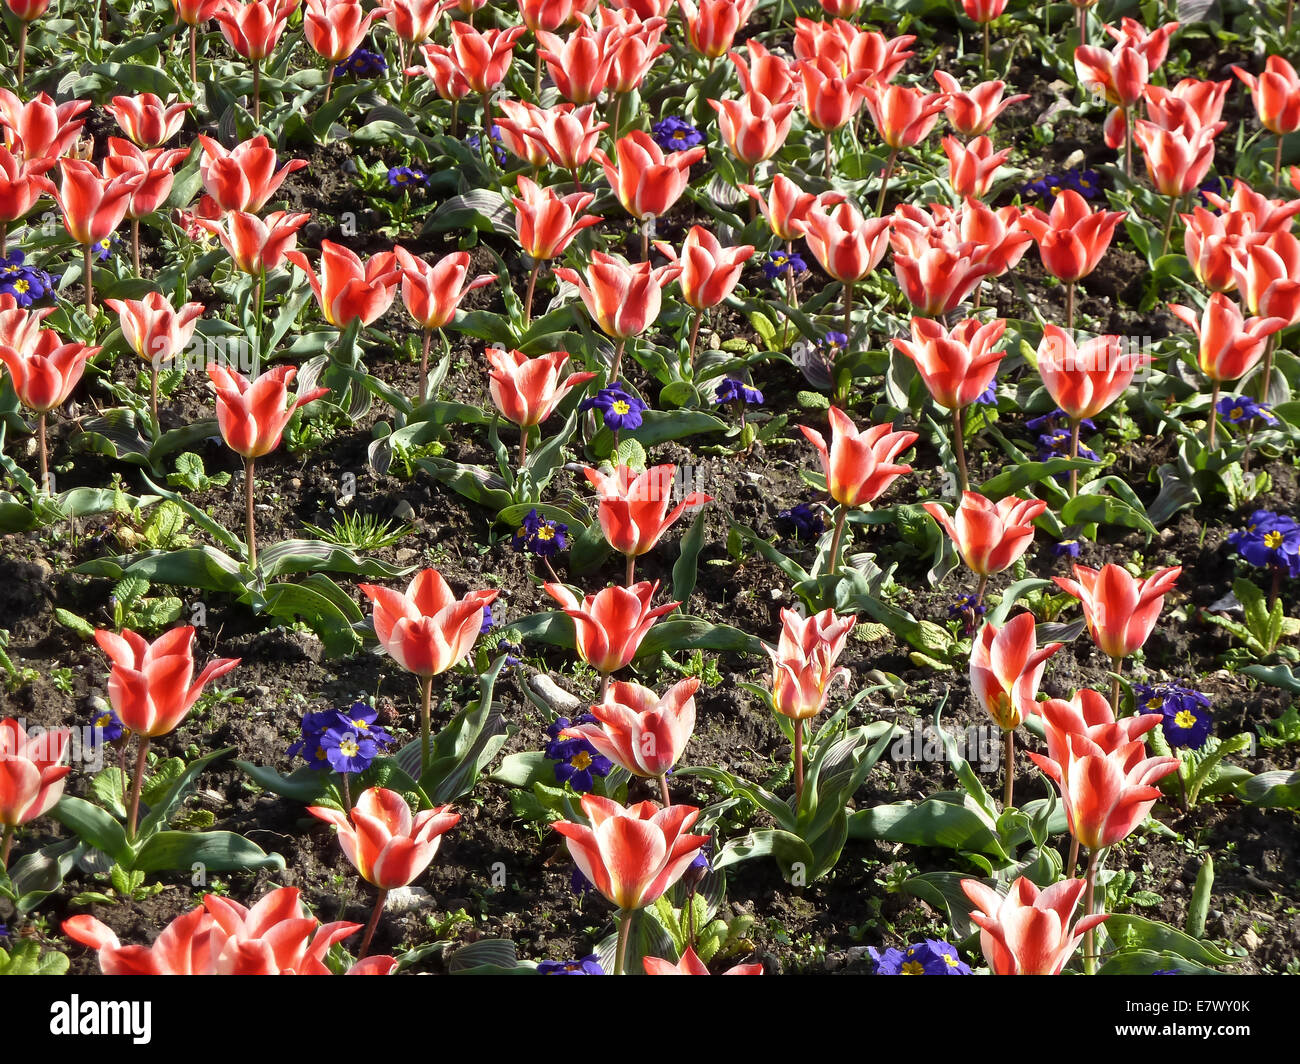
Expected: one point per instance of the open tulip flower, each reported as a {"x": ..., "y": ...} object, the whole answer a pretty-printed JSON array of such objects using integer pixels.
[
  {"x": 853, "y": 48},
  {"x": 957, "y": 366},
  {"x": 709, "y": 274},
  {"x": 526, "y": 390},
  {"x": 690, "y": 964},
  {"x": 39, "y": 128},
  {"x": 1177, "y": 161},
  {"x": 32, "y": 776},
  {"x": 1267, "y": 273},
  {"x": 244, "y": 178},
  {"x": 431, "y": 293},
  {"x": 972, "y": 167},
  {"x": 989, "y": 536},
  {"x": 859, "y": 466},
  {"x": 347, "y": 289},
  {"x": 19, "y": 188},
  {"x": 1006, "y": 666},
  {"x": 936, "y": 265},
  {"x": 903, "y": 117},
  {"x": 146, "y": 120},
  {"x": 152, "y": 689},
  {"x": 1121, "y": 610},
  {"x": 483, "y": 58},
  {"x": 847, "y": 245},
  {"x": 427, "y": 630},
  {"x": 641, "y": 731},
  {"x": 567, "y": 134},
  {"x": 156, "y": 332},
  {"x": 256, "y": 246},
  {"x": 155, "y": 169},
  {"x": 753, "y": 127},
  {"x": 765, "y": 72},
  {"x": 634, "y": 512},
  {"x": 1089, "y": 714},
  {"x": 785, "y": 208},
  {"x": 1276, "y": 96},
  {"x": 633, "y": 51},
  {"x": 609, "y": 625},
  {"x": 829, "y": 98},
  {"x": 972, "y": 114},
  {"x": 1228, "y": 345},
  {"x": 277, "y": 936},
  {"x": 579, "y": 66},
  {"x": 1028, "y": 931},
  {"x": 546, "y": 224},
  {"x": 517, "y": 119},
  {"x": 711, "y": 25},
  {"x": 647, "y": 182},
  {"x": 631, "y": 854},
  {"x": 1071, "y": 240},
  {"x": 388, "y": 845}
]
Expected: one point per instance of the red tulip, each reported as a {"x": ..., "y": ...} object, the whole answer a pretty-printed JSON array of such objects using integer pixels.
[
  {"x": 253, "y": 29},
  {"x": 1119, "y": 74},
  {"x": 567, "y": 134},
  {"x": 753, "y": 127},
  {"x": 194, "y": 12},
  {"x": 442, "y": 69},
  {"x": 45, "y": 374},
  {"x": 624, "y": 300},
  {"x": 336, "y": 28},
  {"x": 859, "y": 466},
  {"x": 1029, "y": 932},
  {"x": 255, "y": 245},
  {"x": 852, "y": 49},
  {"x": 20, "y": 328},
  {"x": 31, "y": 773},
  {"x": 427, "y": 630},
  {"x": 1257, "y": 212},
  {"x": 972, "y": 167},
  {"x": 1153, "y": 44},
  {"x": 640, "y": 731},
  {"x": 153, "y": 329},
  {"x": 632, "y": 854},
  {"x": 386, "y": 844},
  {"x": 347, "y": 289},
  {"x": 484, "y": 57},
  {"x": 786, "y": 206},
  {"x": 40, "y": 129},
  {"x": 711, "y": 26},
  {"x": 829, "y": 98},
  {"x": 1072, "y": 239},
  {"x": 1191, "y": 103},
  {"x": 19, "y": 187},
  {"x": 634, "y": 50},
  {"x": 547, "y": 223},
  {"x": 432, "y": 294},
  {"x": 147, "y": 120},
  {"x": 957, "y": 366},
  {"x": 973, "y": 113},
  {"x": 903, "y": 115},
  {"x": 277, "y": 936},
  {"x": 935, "y": 277},
  {"x": 989, "y": 536},
  {"x": 253, "y": 416},
  {"x": 1229, "y": 345},
  {"x": 770, "y": 76},
  {"x": 1121, "y": 610},
  {"x": 519, "y": 116},
  {"x": 92, "y": 205},
  {"x": 1089, "y": 714},
  {"x": 548, "y": 15},
  {"x": 1176, "y": 161},
  {"x": 27, "y": 10},
  {"x": 644, "y": 9},
  {"x": 983, "y": 11},
  {"x": 245, "y": 178},
  {"x": 1275, "y": 94},
  {"x": 154, "y": 168},
  {"x": 580, "y": 65},
  {"x": 525, "y": 389},
  {"x": 150, "y": 686},
  {"x": 413, "y": 21},
  {"x": 690, "y": 964},
  {"x": 634, "y": 512},
  {"x": 609, "y": 625},
  {"x": 1268, "y": 275},
  {"x": 647, "y": 182},
  {"x": 803, "y": 663},
  {"x": 710, "y": 272},
  {"x": 1215, "y": 245},
  {"x": 999, "y": 239},
  {"x": 847, "y": 245},
  {"x": 1084, "y": 380},
  {"x": 1006, "y": 667},
  {"x": 838, "y": 9}
]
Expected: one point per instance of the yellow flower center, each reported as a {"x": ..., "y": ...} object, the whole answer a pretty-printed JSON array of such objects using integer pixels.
[
  {"x": 1154, "y": 703},
  {"x": 1185, "y": 719},
  {"x": 950, "y": 960},
  {"x": 620, "y": 406},
  {"x": 546, "y": 532},
  {"x": 912, "y": 968},
  {"x": 349, "y": 748},
  {"x": 21, "y": 285},
  {"x": 1237, "y": 412},
  {"x": 580, "y": 760},
  {"x": 1272, "y": 539}
]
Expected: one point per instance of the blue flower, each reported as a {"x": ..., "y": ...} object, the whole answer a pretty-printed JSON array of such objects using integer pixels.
[
  {"x": 1056, "y": 444},
  {"x": 540, "y": 535},
  {"x": 1214, "y": 185},
  {"x": 1239, "y": 409},
  {"x": 675, "y": 134},
  {"x": 1187, "y": 718},
  {"x": 362, "y": 64},
  {"x": 486, "y": 626},
  {"x": 107, "y": 728},
  {"x": 348, "y": 750},
  {"x": 474, "y": 140},
  {"x": 731, "y": 390},
  {"x": 803, "y": 521},
  {"x": 406, "y": 177},
  {"x": 969, "y": 607},
  {"x": 1167, "y": 971},
  {"x": 778, "y": 262},
  {"x": 620, "y": 409},
  {"x": 1087, "y": 183},
  {"x": 1055, "y": 419},
  {"x": 325, "y": 743},
  {"x": 577, "y": 761},
  {"x": 1270, "y": 541},
  {"x": 105, "y": 247},
  {"x": 888, "y": 963},
  {"x": 26, "y": 284},
  {"x": 1066, "y": 547},
  {"x": 930, "y": 957},
  {"x": 989, "y": 396},
  {"x": 588, "y": 965}
]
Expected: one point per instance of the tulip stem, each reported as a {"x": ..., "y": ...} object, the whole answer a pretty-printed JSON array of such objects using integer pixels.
[
  {"x": 10, "y": 829},
  {"x": 631, "y": 567},
  {"x": 537, "y": 74},
  {"x": 22, "y": 53},
  {"x": 1073, "y": 862},
  {"x": 826, "y": 170},
  {"x": 1069, "y": 307},
  {"x": 133, "y": 807},
  {"x": 620, "y": 951},
  {"x": 1266, "y": 371},
  {"x": 261, "y": 314},
  {"x": 528, "y": 296},
  {"x": 840, "y": 517},
  {"x": 374, "y": 923},
  {"x": 1090, "y": 936},
  {"x": 424, "y": 365},
  {"x": 426, "y": 697},
  {"x": 194, "y": 56},
  {"x": 1286, "y": 30},
  {"x": 798, "y": 766},
  {"x": 663, "y": 790},
  {"x": 135, "y": 246},
  {"x": 884, "y": 182},
  {"x": 618, "y": 358},
  {"x": 1128, "y": 144},
  {"x": 848, "y": 313},
  {"x": 250, "y": 526},
  {"x": 1169, "y": 225},
  {"x": 604, "y": 687},
  {"x": 347, "y": 792},
  {"x": 1277, "y": 163},
  {"x": 1214, "y": 413},
  {"x": 90, "y": 290},
  {"x": 45, "y": 453},
  {"x": 695, "y": 335},
  {"x": 986, "y": 50},
  {"x": 153, "y": 398},
  {"x": 1083, "y": 26},
  {"x": 979, "y": 593},
  {"x": 1277, "y": 586},
  {"x": 1115, "y": 687},
  {"x": 329, "y": 83},
  {"x": 488, "y": 154},
  {"x": 1009, "y": 756},
  {"x": 523, "y": 447},
  {"x": 1075, "y": 425},
  {"x": 455, "y": 118},
  {"x": 257, "y": 92},
  {"x": 959, "y": 445},
  {"x": 618, "y": 114}
]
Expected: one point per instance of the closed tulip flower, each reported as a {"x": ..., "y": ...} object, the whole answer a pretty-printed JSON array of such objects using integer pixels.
[
  {"x": 710, "y": 272},
  {"x": 1071, "y": 240},
  {"x": 990, "y": 536},
  {"x": 347, "y": 289},
  {"x": 634, "y": 512},
  {"x": 1215, "y": 245},
  {"x": 548, "y": 15},
  {"x": 156, "y": 168},
  {"x": 1177, "y": 161},
  {"x": 829, "y": 97},
  {"x": 336, "y": 28},
  {"x": 634, "y": 51},
  {"x": 567, "y": 134},
  {"x": 431, "y": 293},
  {"x": 972, "y": 167},
  {"x": 711, "y": 25},
  {"x": 1268, "y": 275},
  {"x": 517, "y": 119},
  {"x": 484, "y": 57},
  {"x": 641, "y": 731},
  {"x": 156, "y": 332},
  {"x": 859, "y": 466},
  {"x": 526, "y": 390},
  {"x": 853, "y": 49},
  {"x": 579, "y": 66},
  {"x": 764, "y": 73},
  {"x": 546, "y": 223},
  {"x": 253, "y": 30},
  {"x": 444, "y": 74},
  {"x": 413, "y": 21},
  {"x": 39, "y": 128},
  {"x": 1089, "y": 714},
  {"x": 957, "y": 365},
  {"x": 25, "y": 11},
  {"x": 244, "y": 178},
  {"x": 786, "y": 206},
  {"x": 983, "y": 10},
  {"x": 256, "y": 245},
  {"x": 609, "y": 625},
  {"x": 647, "y": 182},
  {"x": 19, "y": 188},
  {"x": 147, "y": 120},
  {"x": 972, "y": 114},
  {"x": 753, "y": 128},
  {"x": 847, "y": 245},
  {"x": 1276, "y": 96},
  {"x": 1121, "y": 610},
  {"x": 903, "y": 115},
  {"x": 1028, "y": 931},
  {"x": 32, "y": 776}
]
